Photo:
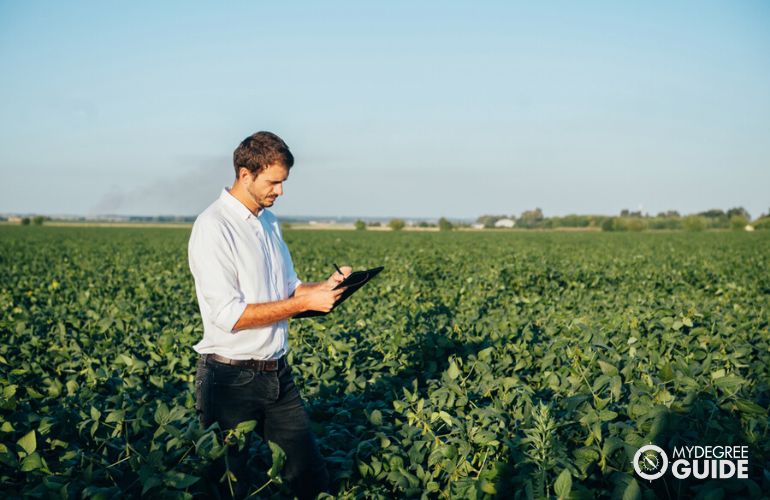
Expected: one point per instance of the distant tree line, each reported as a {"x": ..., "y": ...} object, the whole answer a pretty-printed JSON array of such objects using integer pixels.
[
  {"x": 37, "y": 220},
  {"x": 735, "y": 218},
  {"x": 443, "y": 224}
]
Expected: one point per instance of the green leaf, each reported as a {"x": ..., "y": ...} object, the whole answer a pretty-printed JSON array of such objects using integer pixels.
[
  {"x": 607, "y": 368},
  {"x": 488, "y": 487},
  {"x": 486, "y": 354},
  {"x": 750, "y": 407},
  {"x": 246, "y": 426},
  {"x": 72, "y": 387},
  {"x": 180, "y": 480},
  {"x": 667, "y": 373},
  {"x": 607, "y": 415},
  {"x": 115, "y": 416},
  {"x": 161, "y": 414},
  {"x": 375, "y": 417},
  {"x": 150, "y": 483},
  {"x": 28, "y": 442},
  {"x": 453, "y": 371},
  {"x": 729, "y": 383},
  {"x": 616, "y": 385},
  {"x": 632, "y": 491},
  {"x": 9, "y": 391},
  {"x": 33, "y": 393},
  {"x": 279, "y": 458},
  {"x": 126, "y": 360},
  {"x": 31, "y": 462},
  {"x": 563, "y": 484}
]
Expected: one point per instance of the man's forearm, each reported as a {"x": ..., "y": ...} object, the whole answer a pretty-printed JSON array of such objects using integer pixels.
[
  {"x": 304, "y": 288},
  {"x": 256, "y": 315}
]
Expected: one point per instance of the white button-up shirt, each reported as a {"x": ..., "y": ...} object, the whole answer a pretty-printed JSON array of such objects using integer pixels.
[{"x": 238, "y": 258}]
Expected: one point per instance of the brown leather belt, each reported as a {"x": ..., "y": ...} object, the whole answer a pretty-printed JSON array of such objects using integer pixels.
[{"x": 263, "y": 365}]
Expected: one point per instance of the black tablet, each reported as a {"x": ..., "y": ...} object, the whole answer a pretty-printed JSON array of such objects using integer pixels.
[{"x": 351, "y": 284}]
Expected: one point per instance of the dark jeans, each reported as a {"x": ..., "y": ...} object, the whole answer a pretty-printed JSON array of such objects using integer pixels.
[{"x": 230, "y": 395}]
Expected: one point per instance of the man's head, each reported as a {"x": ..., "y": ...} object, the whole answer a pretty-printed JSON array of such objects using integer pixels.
[
  {"x": 258, "y": 151},
  {"x": 262, "y": 162}
]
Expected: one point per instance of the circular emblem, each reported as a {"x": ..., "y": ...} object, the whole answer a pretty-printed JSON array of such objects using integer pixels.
[{"x": 650, "y": 462}]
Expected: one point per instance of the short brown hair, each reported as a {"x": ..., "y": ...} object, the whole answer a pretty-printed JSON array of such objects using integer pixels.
[{"x": 259, "y": 150}]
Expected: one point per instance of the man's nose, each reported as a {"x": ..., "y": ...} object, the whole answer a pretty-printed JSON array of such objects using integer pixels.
[{"x": 279, "y": 189}]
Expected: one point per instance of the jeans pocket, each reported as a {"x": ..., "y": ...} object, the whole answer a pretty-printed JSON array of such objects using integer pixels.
[
  {"x": 203, "y": 404},
  {"x": 232, "y": 376}
]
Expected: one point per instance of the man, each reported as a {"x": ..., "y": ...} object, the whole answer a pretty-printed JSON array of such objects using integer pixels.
[{"x": 247, "y": 289}]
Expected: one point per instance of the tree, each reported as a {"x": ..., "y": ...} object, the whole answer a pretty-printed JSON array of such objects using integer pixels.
[
  {"x": 572, "y": 220},
  {"x": 444, "y": 225},
  {"x": 25, "y": 221},
  {"x": 530, "y": 218},
  {"x": 360, "y": 225},
  {"x": 738, "y": 222},
  {"x": 635, "y": 223},
  {"x": 629, "y": 224},
  {"x": 396, "y": 224},
  {"x": 739, "y": 211},
  {"x": 762, "y": 224},
  {"x": 38, "y": 220},
  {"x": 694, "y": 223},
  {"x": 488, "y": 221},
  {"x": 663, "y": 222},
  {"x": 714, "y": 213}
]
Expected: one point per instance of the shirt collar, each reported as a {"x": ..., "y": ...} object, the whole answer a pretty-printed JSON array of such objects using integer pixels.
[{"x": 236, "y": 206}]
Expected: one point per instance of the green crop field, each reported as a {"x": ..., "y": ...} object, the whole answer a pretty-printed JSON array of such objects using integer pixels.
[{"x": 521, "y": 365}]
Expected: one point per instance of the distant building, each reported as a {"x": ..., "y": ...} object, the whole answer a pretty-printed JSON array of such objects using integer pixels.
[
  {"x": 477, "y": 225},
  {"x": 505, "y": 223}
]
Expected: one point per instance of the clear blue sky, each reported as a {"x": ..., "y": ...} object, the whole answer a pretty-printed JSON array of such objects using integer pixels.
[{"x": 394, "y": 109}]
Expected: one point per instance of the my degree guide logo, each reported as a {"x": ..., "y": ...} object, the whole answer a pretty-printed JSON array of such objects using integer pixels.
[{"x": 701, "y": 462}]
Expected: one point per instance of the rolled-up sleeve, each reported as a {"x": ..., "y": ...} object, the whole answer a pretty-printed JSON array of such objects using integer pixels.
[{"x": 212, "y": 265}]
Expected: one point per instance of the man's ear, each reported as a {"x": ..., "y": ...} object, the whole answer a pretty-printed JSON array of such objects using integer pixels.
[{"x": 245, "y": 175}]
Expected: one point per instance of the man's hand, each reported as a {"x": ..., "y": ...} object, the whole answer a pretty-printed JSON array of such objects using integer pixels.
[
  {"x": 321, "y": 299},
  {"x": 313, "y": 297},
  {"x": 320, "y": 296},
  {"x": 337, "y": 278}
]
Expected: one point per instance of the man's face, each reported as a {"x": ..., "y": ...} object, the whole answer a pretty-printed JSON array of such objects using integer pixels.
[{"x": 266, "y": 186}]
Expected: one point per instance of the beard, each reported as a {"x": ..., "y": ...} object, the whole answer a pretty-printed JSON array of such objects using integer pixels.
[{"x": 268, "y": 202}]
